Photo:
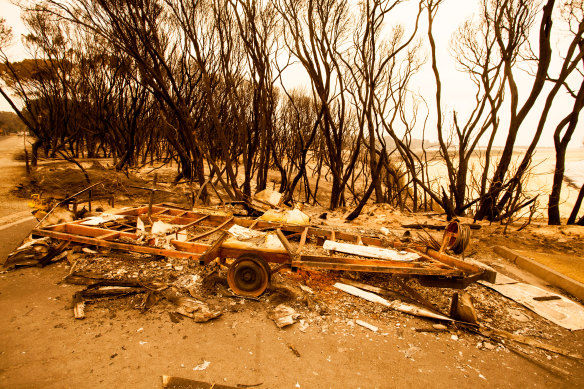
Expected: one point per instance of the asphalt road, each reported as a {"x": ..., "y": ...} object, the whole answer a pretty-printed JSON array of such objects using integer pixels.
[
  {"x": 16, "y": 221},
  {"x": 12, "y": 234}
]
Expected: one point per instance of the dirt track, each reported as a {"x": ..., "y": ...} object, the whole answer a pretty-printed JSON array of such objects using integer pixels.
[{"x": 41, "y": 345}]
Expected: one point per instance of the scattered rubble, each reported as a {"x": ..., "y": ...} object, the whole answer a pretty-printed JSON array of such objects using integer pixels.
[
  {"x": 170, "y": 262},
  {"x": 283, "y": 315}
]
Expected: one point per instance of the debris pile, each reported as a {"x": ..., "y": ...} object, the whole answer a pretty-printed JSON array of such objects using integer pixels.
[{"x": 201, "y": 264}]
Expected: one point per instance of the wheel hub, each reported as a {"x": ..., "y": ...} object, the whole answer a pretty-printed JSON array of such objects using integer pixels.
[{"x": 248, "y": 275}]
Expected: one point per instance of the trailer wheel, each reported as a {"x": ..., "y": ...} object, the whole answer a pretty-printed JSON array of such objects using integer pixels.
[{"x": 249, "y": 275}]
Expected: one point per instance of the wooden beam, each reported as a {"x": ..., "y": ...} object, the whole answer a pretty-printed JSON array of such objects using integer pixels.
[
  {"x": 117, "y": 245},
  {"x": 374, "y": 268},
  {"x": 270, "y": 256},
  {"x": 111, "y": 235},
  {"x": 192, "y": 223},
  {"x": 213, "y": 230},
  {"x": 213, "y": 251},
  {"x": 451, "y": 261},
  {"x": 302, "y": 240},
  {"x": 285, "y": 243}
]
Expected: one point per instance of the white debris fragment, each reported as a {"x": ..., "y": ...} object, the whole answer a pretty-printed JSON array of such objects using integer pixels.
[
  {"x": 97, "y": 220},
  {"x": 283, "y": 315},
  {"x": 294, "y": 216},
  {"x": 202, "y": 366},
  {"x": 140, "y": 226},
  {"x": 369, "y": 251},
  {"x": 242, "y": 233},
  {"x": 269, "y": 196},
  {"x": 161, "y": 228},
  {"x": 411, "y": 351},
  {"x": 303, "y": 325},
  {"x": 182, "y": 236},
  {"x": 273, "y": 242},
  {"x": 367, "y": 325}
]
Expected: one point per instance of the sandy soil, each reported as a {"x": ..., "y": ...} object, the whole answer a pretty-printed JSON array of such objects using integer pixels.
[{"x": 117, "y": 345}]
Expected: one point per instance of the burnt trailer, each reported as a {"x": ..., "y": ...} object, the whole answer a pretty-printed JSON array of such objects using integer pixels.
[{"x": 204, "y": 236}]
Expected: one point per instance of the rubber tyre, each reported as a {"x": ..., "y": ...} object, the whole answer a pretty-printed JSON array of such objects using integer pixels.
[{"x": 249, "y": 275}]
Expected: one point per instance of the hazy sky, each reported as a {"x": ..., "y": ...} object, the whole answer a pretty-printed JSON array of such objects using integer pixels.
[{"x": 458, "y": 92}]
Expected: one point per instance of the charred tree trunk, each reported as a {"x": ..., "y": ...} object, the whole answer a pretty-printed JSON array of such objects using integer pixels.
[
  {"x": 35, "y": 152},
  {"x": 576, "y": 209},
  {"x": 374, "y": 181},
  {"x": 561, "y": 144}
]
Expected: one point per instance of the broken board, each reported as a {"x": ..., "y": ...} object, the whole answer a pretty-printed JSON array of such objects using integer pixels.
[
  {"x": 397, "y": 305},
  {"x": 554, "y": 307}
]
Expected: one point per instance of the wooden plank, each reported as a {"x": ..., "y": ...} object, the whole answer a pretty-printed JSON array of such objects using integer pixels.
[
  {"x": 285, "y": 242},
  {"x": 429, "y": 259},
  {"x": 451, "y": 261},
  {"x": 92, "y": 232},
  {"x": 375, "y": 268},
  {"x": 369, "y": 251},
  {"x": 213, "y": 230},
  {"x": 213, "y": 251},
  {"x": 366, "y": 261},
  {"x": 161, "y": 213},
  {"x": 117, "y": 245},
  {"x": 398, "y": 306},
  {"x": 189, "y": 225},
  {"x": 373, "y": 289},
  {"x": 302, "y": 240},
  {"x": 270, "y": 256},
  {"x": 111, "y": 235},
  {"x": 190, "y": 247}
]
